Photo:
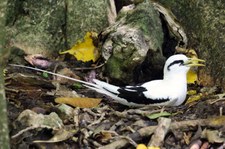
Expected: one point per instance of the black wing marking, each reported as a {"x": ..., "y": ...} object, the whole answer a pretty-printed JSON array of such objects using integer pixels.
[{"x": 135, "y": 94}]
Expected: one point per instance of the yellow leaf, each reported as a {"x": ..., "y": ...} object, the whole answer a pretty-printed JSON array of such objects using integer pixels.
[
  {"x": 86, "y": 50},
  {"x": 192, "y": 77},
  {"x": 194, "y": 98},
  {"x": 191, "y": 92},
  {"x": 141, "y": 146},
  {"x": 79, "y": 102},
  {"x": 153, "y": 147}
]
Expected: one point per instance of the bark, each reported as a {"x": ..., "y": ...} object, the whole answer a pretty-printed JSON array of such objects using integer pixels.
[{"x": 4, "y": 133}]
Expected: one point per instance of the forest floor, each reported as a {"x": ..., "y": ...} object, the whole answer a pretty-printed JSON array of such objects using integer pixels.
[{"x": 37, "y": 121}]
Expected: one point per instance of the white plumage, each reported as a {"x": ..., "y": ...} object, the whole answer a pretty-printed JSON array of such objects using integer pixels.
[{"x": 171, "y": 91}]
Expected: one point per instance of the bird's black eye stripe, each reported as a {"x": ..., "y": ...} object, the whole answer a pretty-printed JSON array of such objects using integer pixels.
[{"x": 181, "y": 62}]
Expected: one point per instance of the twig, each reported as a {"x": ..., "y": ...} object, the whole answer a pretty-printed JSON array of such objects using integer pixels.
[
  {"x": 160, "y": 132},
  {"x": 132, "y": 112},
  {"x": 214, "y": 101},
  {"x": 89, "y": 68},
  {"x": 11, "y": 90},
  {"x": 28, "y": 129},
  {"x": 131, "y": 141},
  {"x": 89, "y": 111},
  {"x": 98, "y": 121}
]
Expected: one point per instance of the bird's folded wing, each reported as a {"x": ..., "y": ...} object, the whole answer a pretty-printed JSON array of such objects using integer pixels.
[
  {"x": 135, "y": 94},
  {"x": 128, "y": 95}
]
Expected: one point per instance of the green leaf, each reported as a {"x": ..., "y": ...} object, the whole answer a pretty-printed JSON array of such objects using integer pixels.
[
  {"x": 77, "y": 85},
  {"x": 45, "y": 74},
  {"x": 157, "y": 115}
]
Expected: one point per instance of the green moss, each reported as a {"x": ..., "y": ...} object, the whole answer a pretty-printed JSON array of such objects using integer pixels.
[
  {"x": 113, "y": 68},
  {"x": 54, "y": 25},
  {"x": 134, "y": 33},
  {"x": 145, "y": 18}
]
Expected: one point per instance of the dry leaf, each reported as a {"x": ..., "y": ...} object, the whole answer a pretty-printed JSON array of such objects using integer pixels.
[
  {"x": 86, "y": 50},
  {"x": 213, "y": 136},
  {"x": 29, "y": 118},
  {"x": 38, "y": 61},
  {"x": 103, "y": 136},
  {"x": 79, "y": 102},
  {"x": 187, "y": 137},
  {"x": 66, "y": 72},
  {"x": 60, "y": 135},
  {"x": 157, "y": 115}
]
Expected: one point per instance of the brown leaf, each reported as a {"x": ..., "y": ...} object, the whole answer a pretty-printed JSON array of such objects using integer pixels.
[
  {"x": 59, "y": 136},
  {"x": 103, "y": 136},
  {"x": 79, "y": 102},
  {"x": 187, "y": 137},
  {"x": 213, "y": 136},
  {"x": 69, "y": 73}
]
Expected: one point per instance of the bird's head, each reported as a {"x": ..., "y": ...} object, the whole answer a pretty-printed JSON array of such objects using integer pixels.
[{"x": 180, "y": 63}]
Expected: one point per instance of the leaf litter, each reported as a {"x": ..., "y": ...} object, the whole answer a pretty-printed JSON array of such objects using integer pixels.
[{"x": 104, "y": 124}]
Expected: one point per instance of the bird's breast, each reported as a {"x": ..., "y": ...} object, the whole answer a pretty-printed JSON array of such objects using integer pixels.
[
  {"x": 179, "y": 91},
  {"x": 173, "y": 90}
]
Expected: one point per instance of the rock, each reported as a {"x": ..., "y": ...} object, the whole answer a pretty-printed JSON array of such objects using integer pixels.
[
  {"x": 29, "y": 118},
  {"x": 36, "y": 26},
  {"x": 65, "y": 112},
  {"x": 84, "y": 16},
  {"x": 137, "y": 31},
  {"x": 46, "y": 27}
]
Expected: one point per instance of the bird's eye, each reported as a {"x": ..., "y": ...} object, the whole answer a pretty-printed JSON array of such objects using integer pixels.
[{"x": 180, "y": 62}]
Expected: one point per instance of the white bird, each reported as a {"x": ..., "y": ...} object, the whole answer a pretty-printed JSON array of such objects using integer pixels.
[{"x": 170, "y": 91}]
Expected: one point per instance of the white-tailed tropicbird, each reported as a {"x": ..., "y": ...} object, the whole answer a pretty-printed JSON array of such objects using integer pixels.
[{"x": 170, "y": 91}]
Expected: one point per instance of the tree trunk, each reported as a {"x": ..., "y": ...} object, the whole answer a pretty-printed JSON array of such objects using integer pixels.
[{"x": 4, "y": 133}]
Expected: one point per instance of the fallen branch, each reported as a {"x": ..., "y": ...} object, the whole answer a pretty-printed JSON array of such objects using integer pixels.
[{"x": 160, "y": 132}]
